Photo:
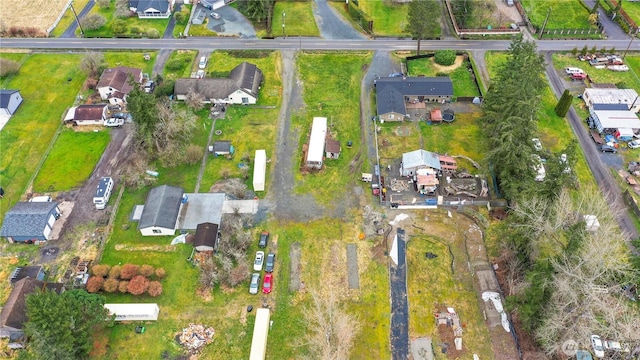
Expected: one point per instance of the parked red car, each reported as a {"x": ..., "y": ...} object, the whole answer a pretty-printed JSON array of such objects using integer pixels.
[{"x": 268, "y": 283}]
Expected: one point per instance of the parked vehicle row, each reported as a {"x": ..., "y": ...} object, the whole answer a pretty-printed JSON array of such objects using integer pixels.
[{"x": 258, "y": 263}]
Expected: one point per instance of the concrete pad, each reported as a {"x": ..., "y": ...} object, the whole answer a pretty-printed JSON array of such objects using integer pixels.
[{"x": 201, "y": 208}]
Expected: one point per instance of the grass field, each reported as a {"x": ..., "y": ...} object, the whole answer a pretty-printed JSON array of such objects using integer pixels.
[
  {"x": 183, "y": 57},
  {"x": 632, "y": 9},
  {"x": 131, "y": 59},
  {"x": 29, "y": 132},
  {"x": 135, "y": 27},
  {"x": 298, "y": 19},
  {"x": 567, "y": 14},
  {"x": 68, "y": 17},
  {"x": 326, "y": 75},
  {"x": 389, "y": 18},
  {"x": 31, "y": 13},
  {"x": 71, "y": 160}
]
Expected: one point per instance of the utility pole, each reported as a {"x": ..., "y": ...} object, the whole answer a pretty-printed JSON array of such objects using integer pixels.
[
  {"x": 283, "y": 32},
  {"x": 77, "y": 20},
  {"x": 633, "y": 36},
  {"x": 545, "y": 23}
]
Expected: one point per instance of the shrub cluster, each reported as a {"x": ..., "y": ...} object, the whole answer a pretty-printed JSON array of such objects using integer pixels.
[
  {"x": 128, "y": 278},
  {"x": 445, "y": 57},
  {"x": 24, "y": 32}
]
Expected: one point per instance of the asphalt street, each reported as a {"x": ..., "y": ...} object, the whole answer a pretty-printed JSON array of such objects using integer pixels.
[{"x": 399, "y": 303}]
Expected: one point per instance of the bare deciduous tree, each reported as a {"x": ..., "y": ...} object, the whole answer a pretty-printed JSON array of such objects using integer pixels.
[
  {"x": 93, "y": 63},
  {"x": 194, "y": 100}
]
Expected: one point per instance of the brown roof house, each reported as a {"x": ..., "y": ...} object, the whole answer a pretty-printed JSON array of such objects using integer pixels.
[
  {"x": 14, "y": 313},
  {"x": 206, "y": 238},
  {"x": 94, "y": 114},
  {"x": 114, "y": 84},
  {"x": 241, "y": 87}
]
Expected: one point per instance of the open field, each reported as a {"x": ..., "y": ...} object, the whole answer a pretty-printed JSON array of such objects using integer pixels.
[
  {"x": 564, "y": 14},
  {"x": 29, "y": 132},
  {"x": 632, "y": 9},
  {"x": 322, "y": 81},
  {"x": 298, "y": 19},
  {"x": 40, "y": 14},
  {"x": 182, "y": 57},
  {"x": 71, "y": 160},
  {"x": 389, "y": 18}
]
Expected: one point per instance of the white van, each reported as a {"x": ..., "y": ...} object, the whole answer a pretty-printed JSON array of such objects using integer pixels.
[
  {"x": 203, "y": 62},
  {"x": 573, "y": 70},
  {"x": 45, "y": 198},
  {"x": 103, "y": 192}
]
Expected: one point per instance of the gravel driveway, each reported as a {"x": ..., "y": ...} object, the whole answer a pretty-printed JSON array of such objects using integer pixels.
[{"x": 331, "y": 24}]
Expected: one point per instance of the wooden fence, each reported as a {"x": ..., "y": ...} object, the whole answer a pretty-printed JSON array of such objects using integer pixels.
[{"x": 462, "y": 32}]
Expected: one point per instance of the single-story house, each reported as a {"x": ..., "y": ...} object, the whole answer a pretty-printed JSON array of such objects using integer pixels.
[
  {"x": 612, "y": 121},
  {"x": 241, "y": 87},
  {"x": 414, "y": 161},
  {"x": 32, "y": 272},
  {"x": 160, "y": 213},
  {"x": 629, "y": 97},
  {"x": 94, "y": 114},
  {"x": 315, "y": 150},
  {"x": 393, "y": 94},
  {"x": 134, "y": 312},
  {"x": 222, "y": 147},
  {"x": 206, "y": 237},
  {"x": 10, "y": 100},
  {"x": 332, "y": 148},
  {"x": 30, "y": 221},
  {"x": 152, "y": 9},
  {"x": 114, "y": 83},
  {"x": 13, "y": 315}
]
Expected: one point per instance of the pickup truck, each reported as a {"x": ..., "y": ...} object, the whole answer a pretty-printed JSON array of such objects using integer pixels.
[{"x": 114, "y": 122}]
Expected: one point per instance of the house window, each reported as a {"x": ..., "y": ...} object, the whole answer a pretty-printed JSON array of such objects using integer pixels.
[
  {"x": 157, "y": 231},
  {"x": 245, "y": 100}
]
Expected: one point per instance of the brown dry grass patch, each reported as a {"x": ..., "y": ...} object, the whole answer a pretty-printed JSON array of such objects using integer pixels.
[{"x": 40, "y": 14}]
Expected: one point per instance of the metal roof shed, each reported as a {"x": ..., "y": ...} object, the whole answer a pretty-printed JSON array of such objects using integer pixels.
[
  {"x": 315, "y": 153},
  {"x": 259, "y": 170},
  {"x": 134, "y": 312}
]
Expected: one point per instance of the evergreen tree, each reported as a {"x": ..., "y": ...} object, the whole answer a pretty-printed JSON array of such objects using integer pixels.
[{"x": 423, "y": 20}]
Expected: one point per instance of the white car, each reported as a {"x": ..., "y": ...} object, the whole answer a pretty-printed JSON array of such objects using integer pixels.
[
  {"x": 259, "y": 261},
  {"x": 597, "y": 345},
  {"x": 563, "y": 161},
  {"x": 634, "y": 144},
  {"x": 254, "y": 284},
  {"x": 537, "y": 144},
  {"x": 215, "y": 15}
]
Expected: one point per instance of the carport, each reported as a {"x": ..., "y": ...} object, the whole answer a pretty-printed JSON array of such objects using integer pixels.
[{"x": 201, "y": 208}]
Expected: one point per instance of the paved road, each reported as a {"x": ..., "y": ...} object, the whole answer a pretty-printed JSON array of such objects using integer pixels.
[
  {"x": 71, "y": 30},
  {"x": 399, "y": 303},
  {"x": 594, "y": 158},
  {"x": 296, "y": 43},
  {"x": 611, "y": 28}
]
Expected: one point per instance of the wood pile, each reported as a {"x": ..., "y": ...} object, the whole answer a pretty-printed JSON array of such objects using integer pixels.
[{"x": 196, "y": 336}]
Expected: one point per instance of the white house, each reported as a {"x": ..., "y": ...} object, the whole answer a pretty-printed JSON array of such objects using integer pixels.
[
  {"x": 114, "y": 83},
  {"x": 259, "y": 170},
  {"x": 10, "y": 100},
  {"x": 160, "y": 213},
  {"x": 151, "y": 9},
  {"x": 315, "y": 151},
  {"x": 94, "y": 114},
  {"x": 134, "y": 312},
  {"x": 241, "y": 87}
]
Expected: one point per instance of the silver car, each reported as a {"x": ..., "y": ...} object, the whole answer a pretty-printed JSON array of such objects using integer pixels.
[{"x": 254, "y": 284}]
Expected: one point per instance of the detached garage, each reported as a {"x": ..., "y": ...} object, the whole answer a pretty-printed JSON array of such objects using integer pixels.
[
  {"x": 30, "y": 221},
  {"x": 259, "y": 170},
  {"x": 134, "y": 312}
]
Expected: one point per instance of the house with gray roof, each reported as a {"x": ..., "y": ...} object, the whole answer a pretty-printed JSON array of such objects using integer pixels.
[
  {"x": 151, "y": 9},
  {"x": 28, "y": 222},
  {"x": 241, "y": 87},
  {"x": 160, "y": 213},
  {"x": 10, "y": 100},
  {"x": 419, "y": 159},
  {"x": 393, "y": 94},
  {"x": 14, "y": 313}
]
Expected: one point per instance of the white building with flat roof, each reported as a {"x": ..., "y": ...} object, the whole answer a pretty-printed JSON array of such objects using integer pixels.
[
  {"x": 259, "y": 170},
  {"x": 614, "y": 120},
  {"x": 134, "y": 312},
  {"x": 315, "y": 152},
  {"x": 628, "y": 97}
]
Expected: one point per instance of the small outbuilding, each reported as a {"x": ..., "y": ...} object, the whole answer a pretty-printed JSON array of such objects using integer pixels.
[
  {"x": 206, "y": 237},
  {"x": 160, "y": 214},
  {"x": 332, "y": 148},
  {"x": 259, "y": 170},
  {"x": 419, "y": 159},
  {"x": 28, "y": 222},
  {"x": 222, "y": 147},
  {"x": 94, "y": 114},
  {"x": 134, "y": 312},
  {"x": 10, "y": 100},
  {"x": 317, "y": 139}
]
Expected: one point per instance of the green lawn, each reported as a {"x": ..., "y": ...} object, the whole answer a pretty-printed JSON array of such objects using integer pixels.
[
  {"x": 389, "y": 18},
  {"x": 68, "y": 18},
  {"x": 632, "y": 9},
  {"x": 463, "y": 84},
  {"x": 628, "y": 79},
  {"x": 30, "y": 131},
  {"x": 568, "y": 14},
  {"x": 71, "y": 160},
  {"x": 135, "y": 27},
  {"x": 183, "y": 57},
  {"x": 298, "y": 19},
  {"x": 131, "y": 59},
  {"x": 324, "y": 76}
]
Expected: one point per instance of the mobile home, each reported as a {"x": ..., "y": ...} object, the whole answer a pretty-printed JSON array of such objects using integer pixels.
[
  {"x": 260, "y": 334},
  {"x": 259, "y": 170},
  {"x": 103, "y": 192}
]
